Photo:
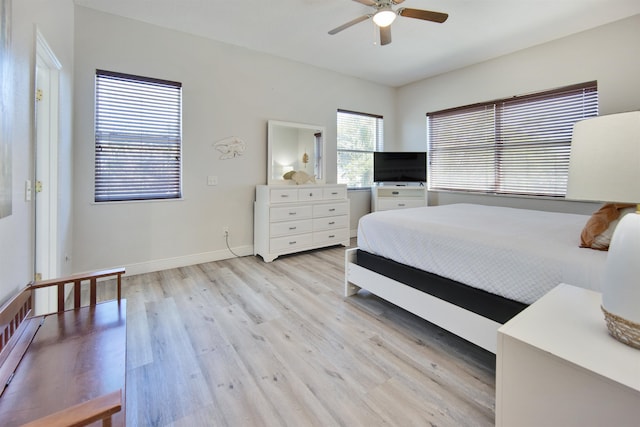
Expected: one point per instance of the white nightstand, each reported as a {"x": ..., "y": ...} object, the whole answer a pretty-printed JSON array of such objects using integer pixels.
[
  {"x": 385, "y": 197},
  {"x": 557, "y": 365}
]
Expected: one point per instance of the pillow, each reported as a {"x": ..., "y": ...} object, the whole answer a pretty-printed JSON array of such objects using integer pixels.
[{"x": 599, "y": 229}]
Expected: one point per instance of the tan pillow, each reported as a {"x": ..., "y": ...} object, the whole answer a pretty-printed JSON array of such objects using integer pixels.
[{"x": 599, "y": 229}]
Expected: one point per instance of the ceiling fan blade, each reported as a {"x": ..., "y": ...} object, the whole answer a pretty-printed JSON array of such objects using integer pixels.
[
  {"x": 396, "y": 1},
  {"x": 367, "y": 2},
  {"x": 348, "y": 24},
  {"x": 385, "y": 35},
  {"x": 425, "y": 15}
]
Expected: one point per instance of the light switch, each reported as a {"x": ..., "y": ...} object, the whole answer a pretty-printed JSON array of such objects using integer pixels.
[{"x": 212, "y": 180}]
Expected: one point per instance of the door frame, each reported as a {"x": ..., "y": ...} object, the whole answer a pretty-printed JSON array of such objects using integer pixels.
[{"x": 46, "y": 140}]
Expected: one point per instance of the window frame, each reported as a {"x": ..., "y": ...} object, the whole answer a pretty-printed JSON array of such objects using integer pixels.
[
  {"x": 143, "y": 143},
  {"x": 538, "y": 157},
  {"x": 378, "y": 133}
]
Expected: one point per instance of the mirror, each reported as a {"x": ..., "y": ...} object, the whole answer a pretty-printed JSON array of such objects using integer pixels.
[{"x": 294, "y": 147}]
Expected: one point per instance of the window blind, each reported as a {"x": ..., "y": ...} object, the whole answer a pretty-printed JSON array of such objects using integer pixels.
[
  {"x": 359, "y": 135},
  {"x": 519, "y": 145},
  {"x": 138, "y": 138}
]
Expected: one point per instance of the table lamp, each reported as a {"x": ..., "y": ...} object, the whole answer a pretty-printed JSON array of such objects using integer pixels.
[{"x": 605, "y": 166}]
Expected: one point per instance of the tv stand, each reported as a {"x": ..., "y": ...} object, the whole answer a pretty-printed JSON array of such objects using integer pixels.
[{"x": 398, "y": 196}]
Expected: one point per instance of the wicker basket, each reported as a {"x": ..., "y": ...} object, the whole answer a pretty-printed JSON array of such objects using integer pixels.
[{"x": 622, "y": 329}]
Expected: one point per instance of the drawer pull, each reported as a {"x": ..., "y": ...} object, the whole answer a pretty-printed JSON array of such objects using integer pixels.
[
  {"x": 310, "y": 194},
  {"x": 335, "y": 193},
  {"x": 293, "y": 243},
  {"x": 395, "y": 193},
  {"x": 332, "y": 209},
  {"x": 284, "y": 195},
  {"x": 332, "y": 222},
  {"x": 332, "y": 236},
  {"x": 292, "y": 213},
  {"x": 400, "y": 204},
  {"x": 292, "y": 228}
]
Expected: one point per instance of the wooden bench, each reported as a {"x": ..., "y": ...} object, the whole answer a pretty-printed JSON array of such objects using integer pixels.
[{"x": 66, "y": 368}]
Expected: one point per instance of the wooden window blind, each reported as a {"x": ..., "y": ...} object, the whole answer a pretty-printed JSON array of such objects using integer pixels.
[
  {"x": 138, "y": 138},
  {"x": 519, "y": 145}
]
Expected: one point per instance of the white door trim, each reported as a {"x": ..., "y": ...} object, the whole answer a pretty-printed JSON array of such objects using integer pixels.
[{"x": 47, "y": 78}]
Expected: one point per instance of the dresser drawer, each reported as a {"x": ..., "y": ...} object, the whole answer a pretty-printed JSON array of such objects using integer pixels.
[
  {"x": 330, "y": 209},
  {"x": 334, "y": 193},
  {"x": 330, "y": 223},
  {"x": 288, "y": 213},
  {"x": 307, "y": 194},
  {"x": 328, "y": 236},
  {"x": 293, "y": 243},
  {"x": 283, "y": 195},
  {"x": 286, "y": 228},
  {"x": 384, "y": 204}
]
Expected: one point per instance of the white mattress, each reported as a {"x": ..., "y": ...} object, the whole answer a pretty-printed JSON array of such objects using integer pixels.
[{"x": 516, "y": 253}]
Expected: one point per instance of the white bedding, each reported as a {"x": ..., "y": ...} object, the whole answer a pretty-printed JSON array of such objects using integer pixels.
[{"x": 516, "y": 253}]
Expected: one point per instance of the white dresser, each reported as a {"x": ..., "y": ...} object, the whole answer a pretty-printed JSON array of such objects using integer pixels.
[{"x": 294, "y": 218}]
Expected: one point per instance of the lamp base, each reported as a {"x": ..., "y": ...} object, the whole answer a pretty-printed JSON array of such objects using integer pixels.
[{"x": 623, "y": 330}]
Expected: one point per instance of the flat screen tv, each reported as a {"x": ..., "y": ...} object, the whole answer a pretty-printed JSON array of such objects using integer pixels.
[{"x": 399, "y": 166}]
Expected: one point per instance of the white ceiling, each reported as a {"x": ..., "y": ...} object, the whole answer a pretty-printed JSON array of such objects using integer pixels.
[{"x": 476, "y": 30}]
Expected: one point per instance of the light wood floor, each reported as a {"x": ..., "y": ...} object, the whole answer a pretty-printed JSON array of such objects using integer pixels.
[{"x": 241, "y": 342}]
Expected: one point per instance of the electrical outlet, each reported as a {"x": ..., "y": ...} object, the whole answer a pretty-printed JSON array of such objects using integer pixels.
[{"x": 225, "y": 231}]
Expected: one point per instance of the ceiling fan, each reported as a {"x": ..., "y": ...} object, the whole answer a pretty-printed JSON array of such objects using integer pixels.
[{"x": 384, "y": 15}]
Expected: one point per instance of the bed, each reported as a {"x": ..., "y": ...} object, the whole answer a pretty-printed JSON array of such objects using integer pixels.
[{"x": 469, "y": 268}]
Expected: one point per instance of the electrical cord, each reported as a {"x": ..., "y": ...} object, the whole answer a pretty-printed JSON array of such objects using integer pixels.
[{"x": 226, "y": 239}]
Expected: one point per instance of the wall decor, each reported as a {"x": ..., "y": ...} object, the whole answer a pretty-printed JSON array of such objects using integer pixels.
[
  {"x": 230, "y": 147},
  {"x": 6, "y": 92}
]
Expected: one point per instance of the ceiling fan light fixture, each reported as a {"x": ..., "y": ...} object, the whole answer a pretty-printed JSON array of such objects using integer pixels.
[{"x": 384, "y": 17}]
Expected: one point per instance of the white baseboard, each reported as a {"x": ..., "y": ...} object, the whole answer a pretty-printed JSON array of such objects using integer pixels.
[{"x": 183, "y": 261}]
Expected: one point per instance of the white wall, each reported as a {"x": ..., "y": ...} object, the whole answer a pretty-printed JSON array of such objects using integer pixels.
[
  {"x": 54, "y": 19},
  {"x": 608, "y": 54},
  {"x": 227, "y": 91}
]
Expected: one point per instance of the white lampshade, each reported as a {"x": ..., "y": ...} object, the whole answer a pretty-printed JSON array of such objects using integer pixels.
[
  {"x": 384, "y": 17},
  {"x": 605, "y": 159},
  {"x": 605, "y": 166}
]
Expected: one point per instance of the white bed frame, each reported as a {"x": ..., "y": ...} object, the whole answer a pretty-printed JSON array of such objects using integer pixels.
[{"x": 466, "y": 324}]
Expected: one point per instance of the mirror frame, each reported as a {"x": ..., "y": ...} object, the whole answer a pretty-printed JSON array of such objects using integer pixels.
[{"x": 320, "y": 153}]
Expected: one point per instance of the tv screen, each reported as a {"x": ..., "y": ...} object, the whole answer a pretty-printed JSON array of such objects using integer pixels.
[{"x": 399, "y": 166}]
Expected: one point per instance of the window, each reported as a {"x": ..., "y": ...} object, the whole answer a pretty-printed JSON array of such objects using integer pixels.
[
  {"x": 359, "y": 136},
  {"x": 519, "y": 145},
  {"x": 138, "y": 125}
]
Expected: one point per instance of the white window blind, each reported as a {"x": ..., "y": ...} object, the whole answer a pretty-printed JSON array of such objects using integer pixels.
[
  {"x": 138, "y": 130},
  {"x": 359, "y": 136},
  {"x": 519, "y": 145}
]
